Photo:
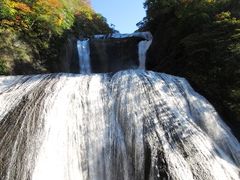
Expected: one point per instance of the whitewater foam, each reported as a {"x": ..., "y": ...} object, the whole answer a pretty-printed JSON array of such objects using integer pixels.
[{"x": 132, "y": 125}]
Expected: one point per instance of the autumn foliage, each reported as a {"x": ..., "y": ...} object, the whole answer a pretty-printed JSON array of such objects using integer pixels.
[{"x": 33, "y": 31}]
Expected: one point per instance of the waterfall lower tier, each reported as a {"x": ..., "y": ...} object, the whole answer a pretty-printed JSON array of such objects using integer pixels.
[{"x": 132, "y": 125}]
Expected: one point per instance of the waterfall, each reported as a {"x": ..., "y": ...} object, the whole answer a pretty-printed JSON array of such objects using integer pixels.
[
  {"x": 131, "y": 125},
  {"x": 145, "y": 35},
  {"x": 142, "y": 51},
  {"x": 142, "y": 45},
  {"x": 84, "y": 56}
]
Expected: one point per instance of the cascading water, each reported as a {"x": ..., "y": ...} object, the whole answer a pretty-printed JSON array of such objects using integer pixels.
[
  {"x": 132, "y": 125},
  {"x": 144, "y": 35},
  {"x": 84, "y": 56},
  {"x": 142, "y": 50},
  {"x": 142, "y": 45}
]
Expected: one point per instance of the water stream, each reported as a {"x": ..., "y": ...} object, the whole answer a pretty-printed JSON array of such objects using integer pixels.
[
  {"x": 84, "y": 56},
  {"x": 84, "y": 51},
  {"x": 133, "y": 125}
]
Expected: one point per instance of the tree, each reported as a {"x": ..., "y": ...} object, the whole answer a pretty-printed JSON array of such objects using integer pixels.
[
  {"x": 199, "y": 40},
  {"x": 38, "y": 29}
]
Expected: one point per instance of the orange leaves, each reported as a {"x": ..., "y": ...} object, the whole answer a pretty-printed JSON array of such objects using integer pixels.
[
  {"x": 55, "y": 3},
  {"x": 56, "y": 15},
  {"x": 17, "y": 6},
  {"x": 50, "y": 3},
  {"x": 15, "y": 14},
  {"x": 22, "y": 7},
  {"x": 51, "y": 12}
]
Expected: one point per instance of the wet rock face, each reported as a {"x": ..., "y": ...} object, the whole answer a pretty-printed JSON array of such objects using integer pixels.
[
  {"x": 131, "y": 125},
  {"x": 112, "y": 55},
  {"x": 69, "y": 57}
]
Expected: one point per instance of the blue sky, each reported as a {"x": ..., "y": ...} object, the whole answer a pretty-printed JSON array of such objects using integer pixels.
[{"x": 123, "y": 14}]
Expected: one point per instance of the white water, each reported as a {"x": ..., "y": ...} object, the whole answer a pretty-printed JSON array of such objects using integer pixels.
[
  {"x": 144, "y": 35},
  {"x": 84, "y": 56},
  {"x": 134, "y": 125},
  {"x": 143, "y": 45}
]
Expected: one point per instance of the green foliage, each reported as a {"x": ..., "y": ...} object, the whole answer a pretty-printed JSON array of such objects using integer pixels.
[
  {"x": 41, "y": 27},
  {"x": 89, "y": 23},
  {"x": 53, "y": 15},
  {"x": 15, "y": 51},
  {"x": 199, "y": 40},
  {"x": 2, "y": 67}
]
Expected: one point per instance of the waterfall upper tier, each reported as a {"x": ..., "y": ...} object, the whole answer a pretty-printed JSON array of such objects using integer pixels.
[
  {"x": 143, "y": 35},
  {"x": 84, "y": 56},
  {"x": 115, "y": 52},
  {"x": 132, "y": 125}
]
